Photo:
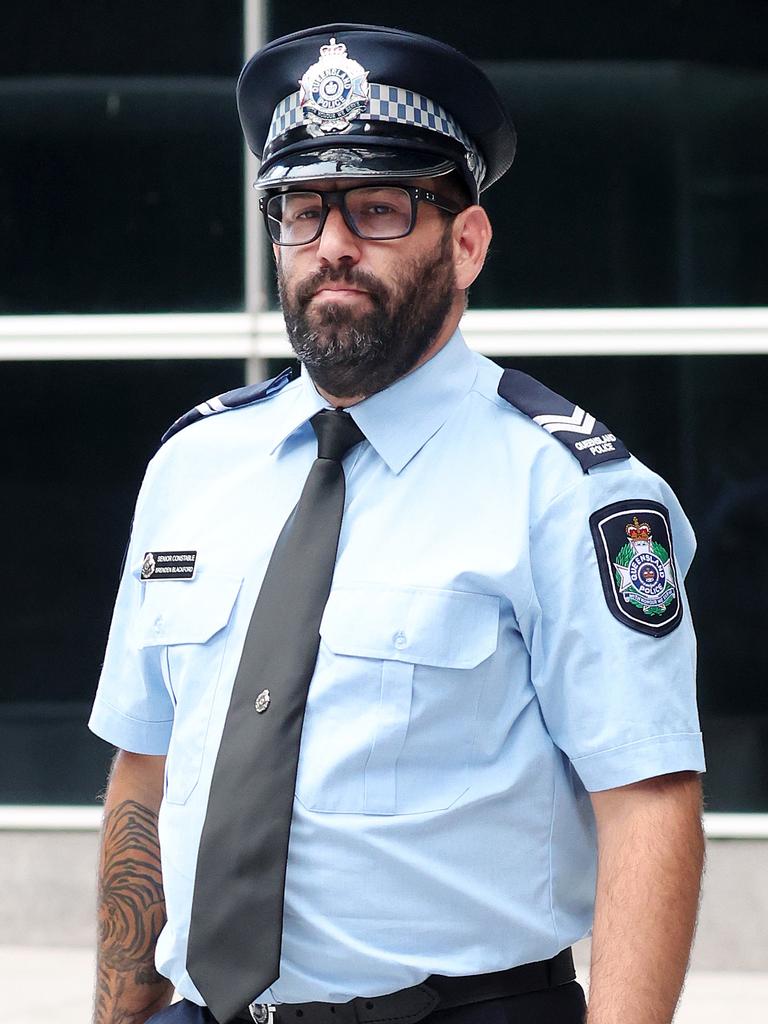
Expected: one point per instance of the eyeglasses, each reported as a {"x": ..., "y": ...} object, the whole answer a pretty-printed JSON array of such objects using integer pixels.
[{"x": 369, "y": 211}]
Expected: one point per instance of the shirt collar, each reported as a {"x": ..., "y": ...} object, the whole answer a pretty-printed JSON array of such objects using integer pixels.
[
  {"x": 305, "y": 402},
  {"x": 399, "y": 420}
]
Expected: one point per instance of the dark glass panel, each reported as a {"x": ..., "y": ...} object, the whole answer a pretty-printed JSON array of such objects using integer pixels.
[
  {"x": 642, "y": 170},
  {"x": 120, "y": 195},
  {"x": 634, "y": 185},
  {"x": 111, "y": 37},
  {"x": 647, "y": 182},
  {"x": 74, "y": 467},
  {"x": 81, "y": 434},
  {"x": 701, "y": 30},
  {"x": 581, "y": 219}
]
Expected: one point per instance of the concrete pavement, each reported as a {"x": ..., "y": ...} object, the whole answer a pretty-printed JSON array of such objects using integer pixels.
[{"x": 41, "y": 984}]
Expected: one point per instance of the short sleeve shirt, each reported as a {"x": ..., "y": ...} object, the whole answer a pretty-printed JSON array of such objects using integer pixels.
[{"x": 472, "y": 684}]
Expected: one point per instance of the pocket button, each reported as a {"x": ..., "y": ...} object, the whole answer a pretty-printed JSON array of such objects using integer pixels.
[{"x": 400, "y": 640}]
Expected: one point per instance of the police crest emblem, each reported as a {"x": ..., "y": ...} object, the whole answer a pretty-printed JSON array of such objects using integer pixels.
[
  {"x": 147, "y": 566},
  {"x": 634, "y": 552},
  {"x": 334, "y": 89}
]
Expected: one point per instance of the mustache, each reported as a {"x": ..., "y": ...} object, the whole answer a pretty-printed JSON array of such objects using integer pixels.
[{"x": 346, "y": 275}]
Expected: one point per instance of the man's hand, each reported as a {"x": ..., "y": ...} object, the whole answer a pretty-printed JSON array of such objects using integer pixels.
[
  {"x": 131, "y": 900},
  {"x": 650, "y": 860}
]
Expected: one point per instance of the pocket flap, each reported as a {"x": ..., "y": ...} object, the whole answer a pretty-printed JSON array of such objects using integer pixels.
[
  {"x": 447, "y": 628},
  {"x": 186, "y": 611}
]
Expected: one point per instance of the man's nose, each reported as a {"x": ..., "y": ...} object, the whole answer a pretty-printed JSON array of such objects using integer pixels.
[{"x": 337, "y": 242}]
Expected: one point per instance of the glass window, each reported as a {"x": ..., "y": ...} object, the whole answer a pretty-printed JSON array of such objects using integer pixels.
[
  {"x": 640, "y": 181},
  {"x": 641, "y": 176},
  {"x": 121, "y": 179},
  {"x": 82, "y": 434},
  {"x": 704, "y": 31},
  {"x": 175, "y": 37},
  {"x": 74, "y": 471}
]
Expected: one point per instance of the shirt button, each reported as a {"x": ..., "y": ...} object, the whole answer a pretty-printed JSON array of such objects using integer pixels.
[
  {"x": 159, "y": 623},
  {"x": 400, "y": 640}
]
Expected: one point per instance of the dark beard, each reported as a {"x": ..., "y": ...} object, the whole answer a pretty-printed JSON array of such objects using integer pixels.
[{"x": 348, "y": 353}]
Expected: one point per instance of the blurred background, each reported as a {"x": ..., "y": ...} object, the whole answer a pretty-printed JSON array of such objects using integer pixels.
[{"x": 628, "y": 272}]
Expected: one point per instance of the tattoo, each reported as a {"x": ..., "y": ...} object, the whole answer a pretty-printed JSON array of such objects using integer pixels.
[{"x": 131, "y": 916}]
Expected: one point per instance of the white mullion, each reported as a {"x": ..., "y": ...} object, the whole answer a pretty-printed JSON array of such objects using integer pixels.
[
  {"x": 589, "y": 332},
  {"x": 259, "y": 335},
  {"x": 126, "y": 336},
  {"x": 254, "y": 20},
  {"x": 45, "y": 818}
]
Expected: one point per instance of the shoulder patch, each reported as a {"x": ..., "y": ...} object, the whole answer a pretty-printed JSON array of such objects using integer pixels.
[
  {"x": 588, "y": 440},
  {"x": 235, "y": 399},
  {"x": 633, "y": 542}
]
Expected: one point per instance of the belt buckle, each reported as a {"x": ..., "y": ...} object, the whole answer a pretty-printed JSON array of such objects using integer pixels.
[{"x": 262, "y": 1013}]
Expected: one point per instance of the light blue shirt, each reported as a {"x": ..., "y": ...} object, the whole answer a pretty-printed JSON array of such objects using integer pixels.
[{"x": 471, "y": 686}]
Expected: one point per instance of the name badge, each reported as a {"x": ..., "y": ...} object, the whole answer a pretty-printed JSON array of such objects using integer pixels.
[{"x": 168, "y": 565}]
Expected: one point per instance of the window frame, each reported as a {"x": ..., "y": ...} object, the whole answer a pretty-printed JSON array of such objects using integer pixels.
[{"x": 257, "y": 335}]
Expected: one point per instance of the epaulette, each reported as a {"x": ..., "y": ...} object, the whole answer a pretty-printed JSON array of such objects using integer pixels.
[
  {"x": 588, "y": 440},
  {"x": 231, "y": 400}
]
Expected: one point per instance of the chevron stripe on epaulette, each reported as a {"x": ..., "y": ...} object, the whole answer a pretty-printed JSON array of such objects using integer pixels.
[
  {"x": 235, "y": 399},
  {"x": 588, "y": 440}
]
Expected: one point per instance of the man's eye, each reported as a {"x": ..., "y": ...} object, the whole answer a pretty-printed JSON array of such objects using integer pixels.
[
  {"x": 306, "y": 214},
  {"x": 379, "y": 210}
]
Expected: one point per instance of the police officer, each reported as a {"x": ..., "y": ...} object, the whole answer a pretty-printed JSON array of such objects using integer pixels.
[{"x": 498, "y": 735}]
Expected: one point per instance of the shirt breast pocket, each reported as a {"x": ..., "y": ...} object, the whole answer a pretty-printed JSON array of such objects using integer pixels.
[
  {"x": 392, "y": 713},
  {"x": 182, "y": 623}
]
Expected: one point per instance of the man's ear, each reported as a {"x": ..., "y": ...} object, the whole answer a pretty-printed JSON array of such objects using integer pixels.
[{"x": 472, "y": 235}]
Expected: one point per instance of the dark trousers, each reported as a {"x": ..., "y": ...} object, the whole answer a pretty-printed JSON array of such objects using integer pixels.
[{"x": 562, "y": 1005}]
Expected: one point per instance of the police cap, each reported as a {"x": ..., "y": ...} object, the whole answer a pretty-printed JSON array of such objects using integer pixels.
[{"x": 365, "y": 101}]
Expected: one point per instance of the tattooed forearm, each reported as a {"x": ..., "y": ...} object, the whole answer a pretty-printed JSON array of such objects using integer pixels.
[{"x": 131, "y": 916}]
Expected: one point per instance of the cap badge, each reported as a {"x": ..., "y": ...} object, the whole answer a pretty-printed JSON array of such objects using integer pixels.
[{"x": 334, "y": 89}]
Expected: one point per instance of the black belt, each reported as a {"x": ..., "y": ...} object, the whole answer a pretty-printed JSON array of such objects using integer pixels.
[{"x": 410, "y": 1005}]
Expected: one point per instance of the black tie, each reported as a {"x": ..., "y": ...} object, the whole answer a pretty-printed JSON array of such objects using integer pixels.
[{"x": 237, "y": 907}]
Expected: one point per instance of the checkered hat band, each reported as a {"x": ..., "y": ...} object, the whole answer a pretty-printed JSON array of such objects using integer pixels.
[{"x": 386, "y": 103}]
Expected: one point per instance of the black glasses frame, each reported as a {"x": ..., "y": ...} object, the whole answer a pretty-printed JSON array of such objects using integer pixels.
[{"x": 338, "y": 198}]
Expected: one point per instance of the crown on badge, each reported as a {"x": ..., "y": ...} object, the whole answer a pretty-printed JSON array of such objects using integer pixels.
[
  {"x": 638, "y": 531},
  {"x": 333, "y": 49}
]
